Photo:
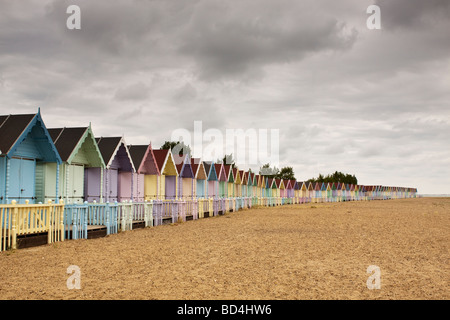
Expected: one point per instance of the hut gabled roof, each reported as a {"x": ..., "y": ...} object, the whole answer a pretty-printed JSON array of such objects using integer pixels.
[
  {"x": 184, "y": 167},
  {"x": 69, "y": 141},
  {"x": 220, "y": 171},
  {"x": 210, "y": 170},
  {"x": 165, "y": 163},
  {"x": 14, "y": 128},
  {"x": 228, "y": 172},
  {"x": 110, "y": 146},
  {"x": 198, "y": 169},
  {"x": 144, "y": 159},
  {"x": 287, "y": 184}
]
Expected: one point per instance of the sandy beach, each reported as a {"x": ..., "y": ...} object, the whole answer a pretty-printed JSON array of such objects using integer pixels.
[{"x": 295, "y": 252}]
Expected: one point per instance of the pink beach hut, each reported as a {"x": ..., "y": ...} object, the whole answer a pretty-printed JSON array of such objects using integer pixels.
[{"x": 145, "y": 164}]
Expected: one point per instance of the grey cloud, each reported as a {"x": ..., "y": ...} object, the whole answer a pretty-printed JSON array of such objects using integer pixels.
[
  {"x": 226, "y": 42},
  {"x": 413, "y": 13},
  {"x": 137, "y": 91},
  {"x": 343, "y": 97},
  {"x": 186, "y": 93}
]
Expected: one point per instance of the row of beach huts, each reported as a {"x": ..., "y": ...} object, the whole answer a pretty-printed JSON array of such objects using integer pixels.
[{"x": 65, "y": 183}]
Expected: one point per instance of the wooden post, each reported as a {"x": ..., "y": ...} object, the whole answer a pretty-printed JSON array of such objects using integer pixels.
[
  {"x": 57, "y": 183},
  {"x": 15, "y": 212},
  {"x": 124, "y": 211},
  {"x": 101, "y": 185},
  {"x": 67, "y": 184},
  {"x": 8, "y": 169},
  {"x": 107, "y": 220},
  {"x": 51, "y": 219},
  {"x": 61, "y": 220}
]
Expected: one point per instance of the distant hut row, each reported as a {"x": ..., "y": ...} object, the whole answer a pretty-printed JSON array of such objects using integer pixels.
[{"x": 38, "y": 164}]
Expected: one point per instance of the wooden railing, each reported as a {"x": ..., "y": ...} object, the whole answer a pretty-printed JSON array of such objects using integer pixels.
[
  {"x": 61, "y": 221},
  {"x": 24, "y": 219}
]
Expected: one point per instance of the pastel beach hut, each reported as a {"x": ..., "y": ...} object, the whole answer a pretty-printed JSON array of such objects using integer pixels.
[
  {"x": 168, "y": 182},
  {"x": 279, "y": 187},
  {"x": 117, "y": 182},
  {"x": 358, "y": 192},
  {"x": 293, "y": 185},
  {"x": 269, "y": 187},
  {"x": 25, "y": 146},
  {"x": 295, "y": 191},
  {"x": 250, "y": 184},
  {"x": 199, "y": 177},
  {"x": 323, "y": 193},
  {"x": 395, "y": 192},
  {"x": 362, "y": 192},
  {"x": 373, "y": 192},
  {"x": 221, "y": 183},
  {"x": 250, "y": 188},
  {"x": 352, "y": 192},
  {"x": 338, "y": 192},
  {"x": 369, "y": 193},
  {"x": 240, "y": 183},
  {"x": 284, "y": 191},
  {"x": 317, "y": 192},
  {"x": 400, "y": 192},
  {"x": 146, "y": 177},
  {"x": 303, "y": 191},
  {"x": 329, "y": 192},
  {"x": 276, "y": 190},
  {"x": 349, "y": 191},
  {"x": 210, "y": 169},
  {"x": 262, "y": 186},
  {"x": 230, "y": 180},
  {"x": 185, "y": 178},
  {"x": 257, "y": 185},
  {"x": 245, "y": 184},
  {"x": 342, "y": 191},
  {"x": 311, "y": 191},
  {"x": 269, "y": 182},
  {"x": 78, "y": 150},
  {"x": 255, "y": 191},
  {"x": 288, "y": 189},
  {"x": 237, "y": 183},
  {"x": 273, "y": 189},
  {"x": 333, "y": 191}
]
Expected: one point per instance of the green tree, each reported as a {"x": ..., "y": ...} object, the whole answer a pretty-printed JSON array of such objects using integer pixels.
[
  {"x": 267, "y": 171},
  {"x": 335, "y": 177},
  {"x": 227, "y": 159},
  {"x": 286, "y": 173},
  {"x": 177, "y": 147}
]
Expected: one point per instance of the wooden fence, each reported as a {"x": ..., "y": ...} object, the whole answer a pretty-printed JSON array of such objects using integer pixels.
[
  {"x": 23, "y": 219},
  {"x": 73, "y": 221}
]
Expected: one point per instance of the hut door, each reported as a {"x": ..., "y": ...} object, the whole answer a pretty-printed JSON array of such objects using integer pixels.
[
  {"x": 92, "y": 183},
  {"x": 22, "y": 180},
  {"x": 170, "y": 187},
  {"x": 76, "y": 186},
  {"x": 138, "y": 187},
  {"x": 200, "y": 188},
  {"x": 113, "y": 181}
]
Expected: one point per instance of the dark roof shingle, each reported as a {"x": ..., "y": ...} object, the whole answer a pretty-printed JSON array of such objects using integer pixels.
[{"x": 11, "y": 128}]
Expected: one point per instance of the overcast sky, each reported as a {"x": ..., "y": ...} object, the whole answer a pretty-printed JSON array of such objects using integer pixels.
[{"x": 374, "y": 103}]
